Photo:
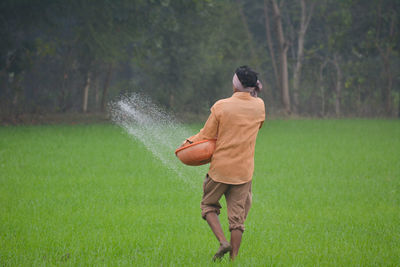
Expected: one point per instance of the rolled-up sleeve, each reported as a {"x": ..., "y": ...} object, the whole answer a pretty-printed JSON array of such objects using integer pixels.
[{"x": 210, "y": 129}]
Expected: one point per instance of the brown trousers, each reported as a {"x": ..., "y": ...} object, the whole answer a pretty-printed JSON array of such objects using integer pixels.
[{"x": 238, "y": 200}]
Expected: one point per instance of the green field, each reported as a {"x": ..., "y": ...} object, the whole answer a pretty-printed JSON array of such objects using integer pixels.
[{"x": 326, "y": 192}]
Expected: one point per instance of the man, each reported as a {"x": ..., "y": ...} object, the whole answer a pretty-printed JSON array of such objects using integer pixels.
[{"x": 235, "y": 122}]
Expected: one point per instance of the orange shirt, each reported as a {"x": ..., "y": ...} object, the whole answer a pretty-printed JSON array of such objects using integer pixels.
[{"x": 235, "y": 122}]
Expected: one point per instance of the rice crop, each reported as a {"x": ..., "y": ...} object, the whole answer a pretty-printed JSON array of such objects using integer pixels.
[{"x": 325, "y": 192}]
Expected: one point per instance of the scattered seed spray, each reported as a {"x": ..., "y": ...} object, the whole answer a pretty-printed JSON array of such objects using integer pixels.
[{"x": 159, "y": 131}]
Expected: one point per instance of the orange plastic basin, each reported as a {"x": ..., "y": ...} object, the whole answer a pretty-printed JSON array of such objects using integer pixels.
[{"x": 197, "y": 153}]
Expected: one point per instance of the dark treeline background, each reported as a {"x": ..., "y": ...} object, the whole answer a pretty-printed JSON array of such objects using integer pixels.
[{"x": 315, "y": 58}]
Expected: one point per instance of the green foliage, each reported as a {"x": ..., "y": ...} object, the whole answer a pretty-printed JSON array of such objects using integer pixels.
[{"x": 183, "y": 53}]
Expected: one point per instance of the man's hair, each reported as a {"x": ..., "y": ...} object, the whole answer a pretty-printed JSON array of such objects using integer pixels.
[{"x": 247, "y": 76}]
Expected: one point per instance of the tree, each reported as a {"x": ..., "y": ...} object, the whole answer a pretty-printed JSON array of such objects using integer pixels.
[
  {"x": 305, "y": 19},
  {"x": 385, "y": 38},
  {"x": 270, "y": 44},
  {"x": 283, "y": 48},
  {"x": 318, "y": 57}
]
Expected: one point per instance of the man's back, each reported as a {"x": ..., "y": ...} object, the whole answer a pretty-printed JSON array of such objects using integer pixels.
[
  {"x": 239, "y": 119},
  {"x": 235, "y": 122}
]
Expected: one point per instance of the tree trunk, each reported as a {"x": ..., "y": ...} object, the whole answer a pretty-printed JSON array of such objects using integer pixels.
[
  {"x": 3, "y": 91},
  {"x": 248, "y": 33},
  {"x": 65, "y": 80},
  {"x": 359, "y": 111},
  {"x": 389, "y": 84},
  {"x": 387, "y": 91},
  {"x": 304, "y": 21},
  {"x": 285, "y": 80},
  {"x": 338, "y": 88},
  {"x": 86, "y": 92},
  {"x": 270, "y": 46},
  {"x": 5, "y": 101},
  {"x": 105, "y": 87},
  {"x": 61, "y": 99},
  {"x": 398, "y": 110},
  {"x": 96, "y": 93},
  {"x": 386, "y": 57},
  {"x": 321, "y": 87},
  {"x": 283, "y": 48},
  {"x": 389, "y": 81}
]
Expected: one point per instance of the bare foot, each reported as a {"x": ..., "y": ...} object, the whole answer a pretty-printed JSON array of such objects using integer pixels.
[{"x": 224, "y": 248}]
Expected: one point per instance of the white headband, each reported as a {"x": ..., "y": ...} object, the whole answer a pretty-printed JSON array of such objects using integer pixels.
[{"x": 239, "y": 86}]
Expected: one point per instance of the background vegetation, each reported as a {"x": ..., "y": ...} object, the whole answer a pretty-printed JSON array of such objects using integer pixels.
[{"x": 318, "y": 58}]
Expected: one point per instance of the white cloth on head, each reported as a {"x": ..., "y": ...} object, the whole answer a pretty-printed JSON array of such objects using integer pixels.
[{"x": 239, "y": 86}]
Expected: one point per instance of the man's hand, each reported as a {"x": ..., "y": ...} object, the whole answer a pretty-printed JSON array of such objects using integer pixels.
[{"x": 186, "y": 142}]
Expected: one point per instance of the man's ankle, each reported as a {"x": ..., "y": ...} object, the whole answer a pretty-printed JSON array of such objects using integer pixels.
[{"x": 224, "y": 242}]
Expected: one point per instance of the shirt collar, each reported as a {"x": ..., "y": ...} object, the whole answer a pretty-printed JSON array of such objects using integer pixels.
[{"x": 241, "y": 95}]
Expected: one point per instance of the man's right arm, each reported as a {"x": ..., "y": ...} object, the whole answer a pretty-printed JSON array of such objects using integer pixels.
[{"x": 209, "y": 131}]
